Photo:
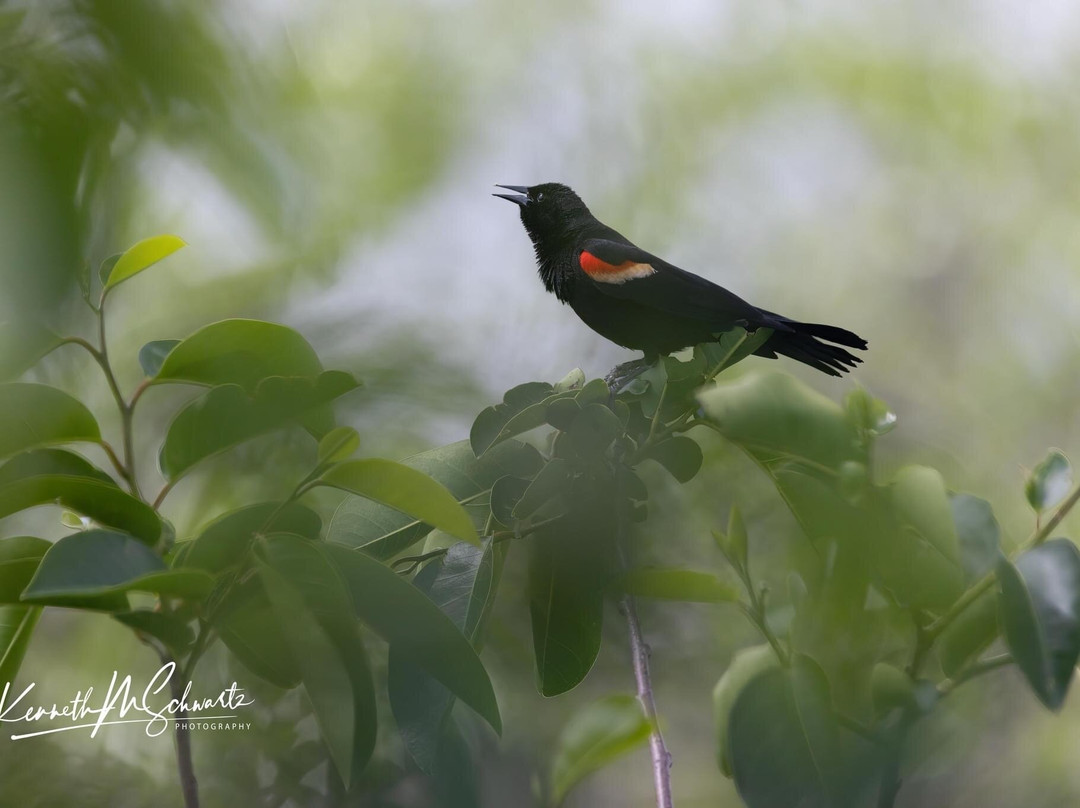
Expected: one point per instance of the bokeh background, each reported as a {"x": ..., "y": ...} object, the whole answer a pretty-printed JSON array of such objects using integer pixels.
[{"x": 909, "y": 170}]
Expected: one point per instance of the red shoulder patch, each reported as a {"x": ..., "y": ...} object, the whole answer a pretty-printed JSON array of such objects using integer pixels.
[{"x": 594, "y": 266}]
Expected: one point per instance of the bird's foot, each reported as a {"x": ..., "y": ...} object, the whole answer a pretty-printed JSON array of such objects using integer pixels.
[{"x": 622, "y": 375}]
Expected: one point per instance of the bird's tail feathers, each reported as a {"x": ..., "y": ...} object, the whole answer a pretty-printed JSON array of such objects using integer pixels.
[{"x": 804, "y": 343}]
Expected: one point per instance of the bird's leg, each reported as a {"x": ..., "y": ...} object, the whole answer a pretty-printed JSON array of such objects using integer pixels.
[{"x": 622, "y": 375}]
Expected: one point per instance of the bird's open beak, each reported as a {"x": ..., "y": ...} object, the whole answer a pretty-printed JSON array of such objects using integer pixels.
[{"x": 518, "y": 198}]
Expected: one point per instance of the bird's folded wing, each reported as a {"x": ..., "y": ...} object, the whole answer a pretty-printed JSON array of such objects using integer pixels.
[{"x": 628, "y": 272}]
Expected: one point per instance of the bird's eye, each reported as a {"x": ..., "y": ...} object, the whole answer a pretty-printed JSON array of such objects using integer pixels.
[{"x": 540, "y": 196}]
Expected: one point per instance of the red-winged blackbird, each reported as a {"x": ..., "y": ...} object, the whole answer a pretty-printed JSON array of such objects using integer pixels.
[{"x": 640, "y": 301}]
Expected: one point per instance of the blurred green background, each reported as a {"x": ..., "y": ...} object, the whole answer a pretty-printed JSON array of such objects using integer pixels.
[{"x": 906, "y": 170}]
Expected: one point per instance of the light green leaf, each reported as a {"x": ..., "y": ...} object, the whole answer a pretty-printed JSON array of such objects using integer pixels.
[
  {"x": 142, "y": 255},
  {"x": 404, "y": 489},
  {"x": 1040, "y": 614},
  {"x": 242, "y": 352},
  {"x": 38, "y": 415},
  {"x": 384, "y": 532},
  {"x": 977, "y": 534},
  {"x": 595, "y": 736},
  {"x": 99, "y": 562},
  {"x": 226, "y": 416},
  {"x": 22, "y": 344},
  {"x": 692, "y": 586},
  {"x": 338, "y": 445},
  {"x": 416, "y": 629},
  {"x": 969, "y": 634},
  {"x": 1049, "y": 482}
]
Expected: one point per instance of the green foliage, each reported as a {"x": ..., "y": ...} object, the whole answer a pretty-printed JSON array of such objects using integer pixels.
[
  {"x": 602, "y": 732},
  {"x": 901, "y": 589}
]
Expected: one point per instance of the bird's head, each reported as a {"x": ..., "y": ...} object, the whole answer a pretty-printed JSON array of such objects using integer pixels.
[{"x": 550, "y": 212}]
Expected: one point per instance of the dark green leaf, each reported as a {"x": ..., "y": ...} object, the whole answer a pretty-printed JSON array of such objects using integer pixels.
[
  {"x": 153, "y": 354},
  {"x": 969, "y": 634},
  {"x": 100, "y": 562},
  {"x": 416, "y": 629},
  {"x": 595, "y": 391},
  {"x": 338, "y": 444},
  {"x": 51, "y": 462},
  {"x": 1040, "y": 615},
  {"x": 249, "y": 629},
  {"x": 405, "y": 489},
  {"x": 549, "y": 483},
  {"x": 562, "y": 412},
  {"x": 91, "y": 496},
  {"x": 595, "y": 736},
  {"x": 733, "y": 346},
  {"x": 676, "y": 584},
  {"x": 746, "y": 666},
  {"x": 16, "y": 628},
  {"x": 175, "y": 633},
  {"x": 306, "y": 568},
  {"x": 523, "y": 408},
  {"x": 680, "y": 455},
  {"x": 784, "y": 739},
  {"x": 38, "y": 415},
  {"x": 1049, "y": 482},
  {"x": 106, "y": 267},
  {"x": 505, "y": 495},
  {"x": 226, "y": 416},
  {"x": 142, "y": 255},
  {"x": 384, "y": 532},
  {"x": 225, "y": 541},
  {"x": 594, "y": 430},
  {"x": 566, "y": 604},
  {"x": 978, "y": 534},
  {"x": 326, "y": 680}
]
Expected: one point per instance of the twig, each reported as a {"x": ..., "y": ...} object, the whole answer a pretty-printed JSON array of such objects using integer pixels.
[
  {"x": 188, "y": 784},
  {"x": 661, "y": 758}
]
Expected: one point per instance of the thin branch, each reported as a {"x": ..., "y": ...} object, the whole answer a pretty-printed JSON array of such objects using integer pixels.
[
  {"x": 977, "y": 669},
  {"x": 188, "y": 784}
]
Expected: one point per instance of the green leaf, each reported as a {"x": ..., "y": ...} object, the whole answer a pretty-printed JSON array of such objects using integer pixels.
[
  {"x": 38, "y": 415},
  {"x": 338, "y": 445},
  {"x": 594, "y": 737},
  {"x": 566, "y": 604},
  {"x": 416, "y": 629},
  {"x": 463, "y": 586},
  {"x": 106, "y": 268},
  {"x": 51, "y": 476},
  {"x": 505, "y": 495},
  {"x": 22, "y": 344},
  {"x": 308, "y": 570},
  {"x": 1049, "y": 482},
  {"x": 247, "y": 626},
  {"x": 746, "y": 666},
  {"x": 867, "y": 414},
  {"x": 523, "y": 408},
  {"x": 226, "y": 416},
  {"x": 17, "y": 625},
  {"x": 404, "y": 489},
  {"x": 737, "y": 541},
  {"x": 977, "y": 533},
  {"x": 175, "y": 633},
  {"x": 19, "y": 559},
  {"x": 784, "y": 740},
  {"x": 891, "y": 689},
  {"x": 677, "y": 584},
  {"x": 224, "y": 542},
  {"x": 325, "y": 677},
  {"x": 140, "y": 256},
  {"x": 153, "y": 354},
  {"x": 594, "y": 429},
  {"x": 551, "y": 482},
  {"x": 242, "y": 352},
  {"x": 1040, "y": 614},
  {"x": 680, "y": 455},
  {"x": 969, "y": 634},
  {"x": 733, "y": 346},
  {"x": 100, "y": 562},
  {"x": 771, "y": 415},
  {"x": 383, "y": 532}
]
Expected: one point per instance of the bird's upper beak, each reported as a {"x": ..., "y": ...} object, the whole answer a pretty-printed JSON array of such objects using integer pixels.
[{"x": 519, "y": 198}]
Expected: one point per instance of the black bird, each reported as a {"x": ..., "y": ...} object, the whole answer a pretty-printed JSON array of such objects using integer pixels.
[{"x": 642, "y": 302}]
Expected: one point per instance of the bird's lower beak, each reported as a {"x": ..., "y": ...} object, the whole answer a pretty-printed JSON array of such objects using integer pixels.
[{"x": 519, "y": 198}]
